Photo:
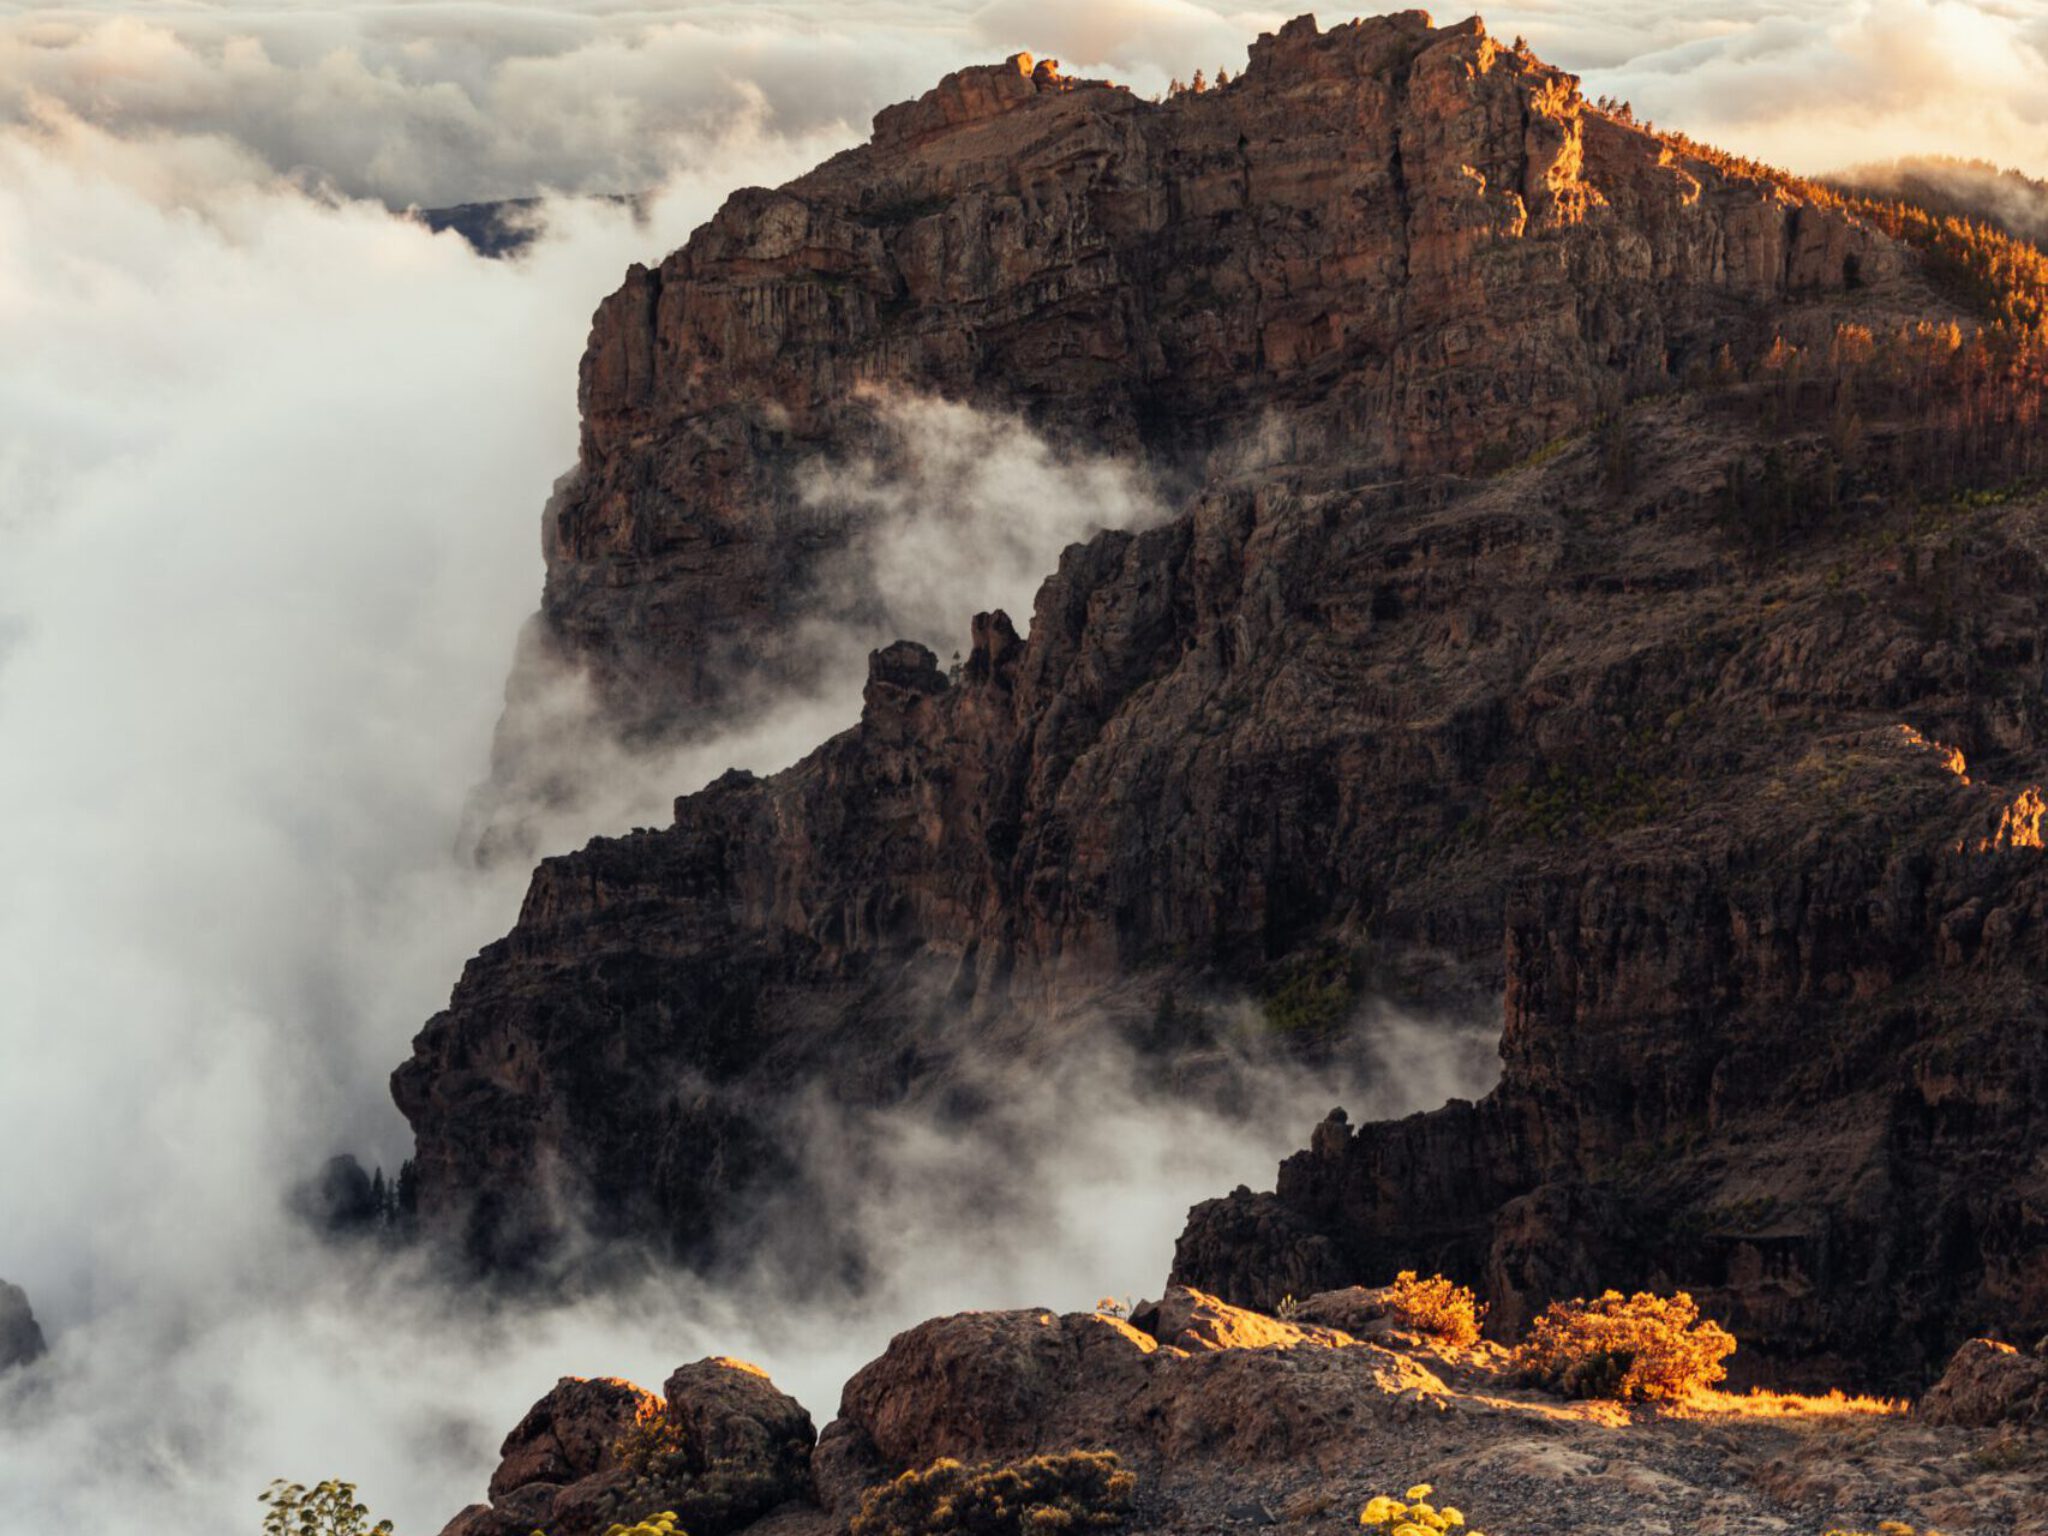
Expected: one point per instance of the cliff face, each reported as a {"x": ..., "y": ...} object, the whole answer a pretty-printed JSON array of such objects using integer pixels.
[
  {"x": 1398, "y": 248},
  {"x": 1548, "y": 616},
  {"x": 1227, "y": 1419}
]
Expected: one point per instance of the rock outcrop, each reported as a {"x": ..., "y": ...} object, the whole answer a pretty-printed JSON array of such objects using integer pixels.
[
  {"x": 1249, "y": 1420},
  {"x": 721, "y": 1447},
  {"x": 21, "y": 1337},
  {"x": 1394, "y": 246},
  {"x": 1988, "y": 1383},
  {"x": 1551, "y": 615}
]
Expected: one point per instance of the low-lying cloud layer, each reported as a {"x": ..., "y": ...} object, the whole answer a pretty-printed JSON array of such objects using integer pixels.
[
  {"x": 272, "y": 471},
  {"x": 465, "y": 100},
  {"x": 271, "y": 464}
]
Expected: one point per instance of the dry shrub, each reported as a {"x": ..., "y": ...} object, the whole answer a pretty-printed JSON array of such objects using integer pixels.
[
  {"x": 1627, "y": 1348},
  {"x": 1436, "y": 1307},
  {"x": 661, "y": 1473},
  {"x": 1071, "y": 1491}
]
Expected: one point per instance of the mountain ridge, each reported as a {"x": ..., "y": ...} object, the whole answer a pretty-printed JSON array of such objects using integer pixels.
[{"x": 1557, "y": 557}]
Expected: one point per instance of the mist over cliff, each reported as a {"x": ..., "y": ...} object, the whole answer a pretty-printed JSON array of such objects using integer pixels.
[
  {"x": 271, "y": 467},
  {"x": 273, "y": 483}
]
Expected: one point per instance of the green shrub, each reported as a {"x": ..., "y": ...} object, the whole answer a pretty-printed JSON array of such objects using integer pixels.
[
  {"x": 327, "y": 1509},
  {"x": 1072, "y": 1491},
  {"x": 1628, "y": 1348},
  {"x": 1309, "y": 995},
  {"x": 663, "y": 1474}
]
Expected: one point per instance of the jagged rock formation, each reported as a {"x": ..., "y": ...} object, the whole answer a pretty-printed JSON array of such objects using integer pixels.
[
  {"x": 1988, "y": 1383},
  {"x": 1432, "y": 687},
  {"x": 1232, "y": 1419},
  {"x": 21, "y": 1337},
  {"x": 1396, "y": 247},
  {"x": 721, "y": 1447}
]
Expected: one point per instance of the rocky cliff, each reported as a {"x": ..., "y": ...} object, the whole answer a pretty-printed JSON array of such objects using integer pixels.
[
  {"x": 1577, "y": 597},
  {"x": 1393, "y": 247},
  {"x": 1229, "y": 1420}
]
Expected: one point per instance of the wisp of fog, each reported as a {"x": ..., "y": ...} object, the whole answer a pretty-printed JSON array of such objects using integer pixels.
[
  {"x": 272, "y": 459},
  {"x": 273, "y": 465}
]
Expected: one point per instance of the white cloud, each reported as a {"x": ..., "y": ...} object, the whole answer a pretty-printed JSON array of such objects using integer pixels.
[
  {"x": 1815, "y": 85},
  {"x": 271, "y": 466}
]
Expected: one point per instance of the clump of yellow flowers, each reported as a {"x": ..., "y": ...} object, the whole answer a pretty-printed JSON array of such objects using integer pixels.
[{"x": 1412, "y": 1514}]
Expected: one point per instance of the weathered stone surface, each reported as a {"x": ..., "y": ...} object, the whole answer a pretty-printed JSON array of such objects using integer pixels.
[
  {"x": 571, "y": 1433},
  {"x": 1254, "y": 1248},
  {"x": 1401, "y": 247},
  {"x": 722, "y": 1447},
  {"x": 1988, "y": 1383},
  {"x": 1263, "y": 1423},
  {"x": 1556, "y": 734},
  {"x": 21, "y": 1337},
  {"x": 1194, "y": 1320}
]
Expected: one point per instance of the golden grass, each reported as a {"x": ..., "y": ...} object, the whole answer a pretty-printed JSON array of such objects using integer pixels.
[{"x": 1762, "y": 1403}]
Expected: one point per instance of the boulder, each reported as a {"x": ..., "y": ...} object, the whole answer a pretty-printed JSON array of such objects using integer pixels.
[
  {"x": 721, "y": 1448},
  {"x": 1989, "y": 1383}
]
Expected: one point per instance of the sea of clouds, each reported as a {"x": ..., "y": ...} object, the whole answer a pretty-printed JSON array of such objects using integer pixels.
[{"x": 271, "y": 467}]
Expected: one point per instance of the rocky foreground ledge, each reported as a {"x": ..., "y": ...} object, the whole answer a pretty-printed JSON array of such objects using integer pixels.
[{"x": 1233, "y": 1419}]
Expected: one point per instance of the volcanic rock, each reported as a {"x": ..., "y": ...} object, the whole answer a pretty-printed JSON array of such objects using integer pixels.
[
  {"x": 722, "y": 1448},
  {"x": 1265, "y": 1423},
  {"x": 1989, "y": 1383},
  {"x": 1554, "y": 613},
  {"x": 21, "y": 1337},
  {"x": 1387, "y": 244}
]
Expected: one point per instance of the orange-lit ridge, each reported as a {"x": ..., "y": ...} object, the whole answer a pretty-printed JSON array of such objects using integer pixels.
[
  {"x": 1951, "y": 757},
  {"x": 2019, "y": 823}
]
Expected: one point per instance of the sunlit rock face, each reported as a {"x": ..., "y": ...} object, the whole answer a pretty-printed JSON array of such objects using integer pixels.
[
  {"x": 1222, "y": 1418},
  {"x": 720, "y": 1447},
  {"x": 1391, "y": 246},
  {"x": 1544, "y": 603}
]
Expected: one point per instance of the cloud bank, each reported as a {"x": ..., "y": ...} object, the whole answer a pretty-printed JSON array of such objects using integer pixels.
[
  {"x": 454, "y": 101},
  {"x": 271, "y": 464},
  {"x": 272, "y": 467}
]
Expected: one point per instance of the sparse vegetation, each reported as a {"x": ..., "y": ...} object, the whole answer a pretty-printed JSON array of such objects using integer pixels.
[
  {"x": 663, "y": 1524},
  {"x": 1633, "y": 1348},
  {"x": 660, "y": 1472},
  {"x": 1071, "y": 1491},
  {"x": 1412, "y": 1513},
  {"x": 1565, "y": 805},
  {"x": 1308, "y": 995},
  {"x": 1437, "y": 1307},
  {"x": 1288, "y": 1308},
  {"x": 326, "y": 1509}
]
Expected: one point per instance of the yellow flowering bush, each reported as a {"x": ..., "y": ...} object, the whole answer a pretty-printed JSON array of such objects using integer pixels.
[
  {"x": 1628, "y": 1348},
  {"x": 1412, "y": 1514},
  {"x": 663, "y": 1524},
  {"x": 1437, "y": 1307}
]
